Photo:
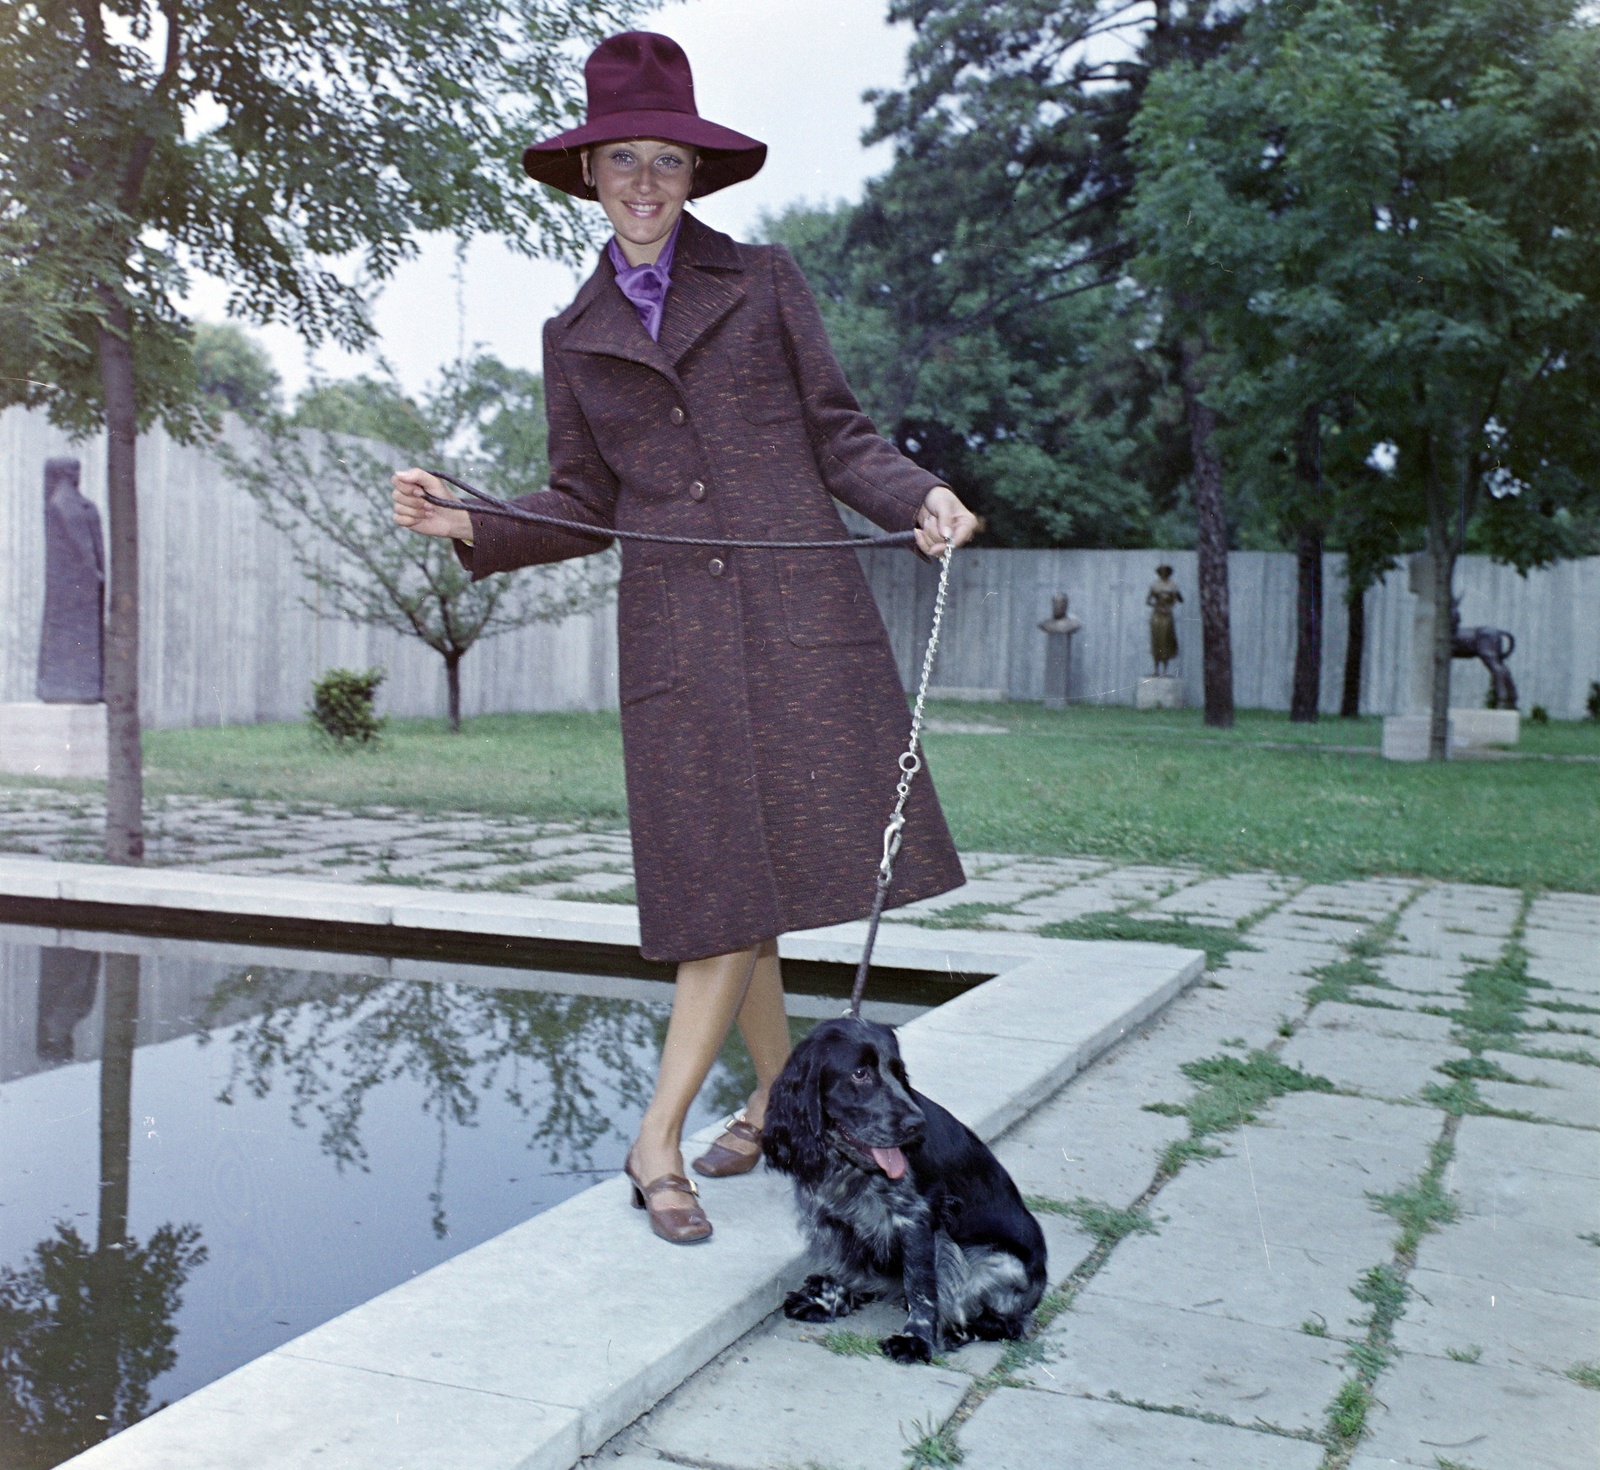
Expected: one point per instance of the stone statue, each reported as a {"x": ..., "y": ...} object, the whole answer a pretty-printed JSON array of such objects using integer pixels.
[
  {"x": 1058, "y": 628},
  {"x": 71, "y": 642},
  {"x": 1161, "y": 599},
  {"x": 1493, "y": 646}
]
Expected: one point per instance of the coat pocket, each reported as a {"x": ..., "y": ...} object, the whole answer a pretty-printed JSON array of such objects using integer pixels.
[
  {"x": 646, "y": 657},
  {"x": 826, "y": 600},
  {"x": 767, "y": 391}
]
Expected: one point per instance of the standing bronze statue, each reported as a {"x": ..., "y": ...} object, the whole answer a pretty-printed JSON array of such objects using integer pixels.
[
  {"x": 1161, "y": 599},
  {"x": 71, "y": 642}
]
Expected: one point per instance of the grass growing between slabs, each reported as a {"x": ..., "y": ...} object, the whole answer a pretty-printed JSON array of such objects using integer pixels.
[{"x": 1104, "y": 781}]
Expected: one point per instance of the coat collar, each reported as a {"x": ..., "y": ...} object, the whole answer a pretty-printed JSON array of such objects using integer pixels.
[{"x": 705, "y": 288}]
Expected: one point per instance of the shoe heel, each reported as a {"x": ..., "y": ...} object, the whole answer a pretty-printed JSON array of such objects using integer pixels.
[{"x": 638, "y": 1196}]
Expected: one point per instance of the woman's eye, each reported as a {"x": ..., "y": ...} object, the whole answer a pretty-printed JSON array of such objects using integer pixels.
[
  {"x": 622, "y": 160},
  {"x": 668, "y": 161}
]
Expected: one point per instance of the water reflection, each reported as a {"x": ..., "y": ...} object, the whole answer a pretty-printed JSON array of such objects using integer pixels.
[
  {"x": 202, "y": 1157},
  {"x": 84, "y": 1332},
  {"x": 330, "y": 1040}
]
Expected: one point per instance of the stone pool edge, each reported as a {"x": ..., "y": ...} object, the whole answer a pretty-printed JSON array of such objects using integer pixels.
[{"x": 537, "y": 1346}]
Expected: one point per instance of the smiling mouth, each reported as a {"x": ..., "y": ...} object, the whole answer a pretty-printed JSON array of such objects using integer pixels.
[
  {"x": 891, "y": 1160},
  {"x": 644, "y": 211}
]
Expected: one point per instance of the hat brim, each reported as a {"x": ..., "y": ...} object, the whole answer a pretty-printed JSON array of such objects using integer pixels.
[{"x": 726, "y": 157}]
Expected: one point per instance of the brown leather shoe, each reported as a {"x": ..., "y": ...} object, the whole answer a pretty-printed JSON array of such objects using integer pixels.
[
  {"x": 720, "y": 1162},
  {"x": 681, "y": 1224}
]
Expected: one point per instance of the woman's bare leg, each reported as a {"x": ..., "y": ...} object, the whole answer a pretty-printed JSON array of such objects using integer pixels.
[
  {"x": 765, "y": 1028},
  {"x": 708, "y": 995}
]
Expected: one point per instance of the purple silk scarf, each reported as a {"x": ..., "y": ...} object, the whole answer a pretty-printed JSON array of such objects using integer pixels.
[{"x": 646, "y": 286}]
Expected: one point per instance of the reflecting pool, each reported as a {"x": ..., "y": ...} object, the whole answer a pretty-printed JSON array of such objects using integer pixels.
[{"x": 205, "y": 1151}]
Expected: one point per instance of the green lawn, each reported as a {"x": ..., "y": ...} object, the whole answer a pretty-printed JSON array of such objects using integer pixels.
[{"x": 1155, "y": 787}]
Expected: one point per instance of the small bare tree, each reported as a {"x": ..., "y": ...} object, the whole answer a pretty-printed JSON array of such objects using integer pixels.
[{"x": 329, "y": 494}]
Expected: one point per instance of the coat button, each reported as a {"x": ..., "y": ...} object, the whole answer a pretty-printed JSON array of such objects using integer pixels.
[
  {"x": 697, "y": 491},
  {"x": 716, "y": 566},
  {"x": 677, "y": 415}
]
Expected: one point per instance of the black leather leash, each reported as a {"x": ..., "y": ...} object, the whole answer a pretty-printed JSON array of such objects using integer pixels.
[{"x": 491, "y": 505}]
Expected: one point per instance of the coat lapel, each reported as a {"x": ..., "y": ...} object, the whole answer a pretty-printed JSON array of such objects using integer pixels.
[{"x": 705, "y": 287}]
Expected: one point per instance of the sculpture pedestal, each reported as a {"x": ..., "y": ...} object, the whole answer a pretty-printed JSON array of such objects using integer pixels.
[
  {"x": 1159, "y": 693},
  {"x": 53, "y": 740},
  {"x": 1405, "y": 737}
]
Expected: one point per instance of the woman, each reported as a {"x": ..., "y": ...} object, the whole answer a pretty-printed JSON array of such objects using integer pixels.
[{"x": 691, "y": 391}]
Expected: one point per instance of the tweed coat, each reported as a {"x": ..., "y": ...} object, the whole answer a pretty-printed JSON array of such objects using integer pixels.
[{"x": 762, "y": 713}]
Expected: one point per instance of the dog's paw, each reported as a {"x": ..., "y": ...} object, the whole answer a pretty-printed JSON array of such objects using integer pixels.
[
  {"x": 820, "y": 1299},
  {"x": 906, "y": 1347}
]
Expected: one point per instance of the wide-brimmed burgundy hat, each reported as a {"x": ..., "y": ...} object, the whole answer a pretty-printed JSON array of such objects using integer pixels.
[{"x": 640, "y": 86}]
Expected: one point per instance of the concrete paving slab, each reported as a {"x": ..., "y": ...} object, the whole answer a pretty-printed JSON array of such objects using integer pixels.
[
  {"x": 1570, "y": 1094},
  {"x": 1286, "y": 924},
  {"x": 1359, "y": 1022},
  {"x": 1421, "y": 974},
  {"x": 1373, "y": 1064},
  {"x": 1070, "y": 1149},
  {"x": 1518, "y": 1253},
  {"x": 1496, "y": 1418},
  {"x": 1177, "y": 1359},
  {"x": 1233, "y": 1276},
  {"x": 816, "y": 1408},
  {"x": 1532, "y": 1145},
  {"x": 1507, "y": 1326},
  {"x": 278, "y": 1413},
  {"x": 1018, "y": 1427},
  {"x": 1489, "y": 1181}
]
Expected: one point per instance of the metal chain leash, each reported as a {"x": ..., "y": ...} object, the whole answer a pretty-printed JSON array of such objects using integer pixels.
[{"x": 910, "y": 764}]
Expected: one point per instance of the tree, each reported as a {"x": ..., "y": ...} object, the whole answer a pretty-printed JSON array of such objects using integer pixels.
[
  {"x": 328, "y": 491},
  {"x": 233, "y": 372},
  {"x": 1398, "y": 206},
  {"x": 341, "y": 130}
]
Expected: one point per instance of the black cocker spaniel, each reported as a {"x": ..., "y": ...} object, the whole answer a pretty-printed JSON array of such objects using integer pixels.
[{"x": 896, "y": 1194}]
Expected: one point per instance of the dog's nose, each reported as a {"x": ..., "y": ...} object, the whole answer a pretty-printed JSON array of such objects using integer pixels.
[{"x": 914, "y": 1124}]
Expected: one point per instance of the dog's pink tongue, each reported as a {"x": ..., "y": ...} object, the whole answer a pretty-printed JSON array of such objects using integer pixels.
[{"x": 890, "y": 1160}]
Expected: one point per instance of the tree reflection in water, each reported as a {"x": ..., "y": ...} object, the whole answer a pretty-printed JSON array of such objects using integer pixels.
[
  {"x": 83, "y": 1333},
  {"x": 568, "y": 1063}
]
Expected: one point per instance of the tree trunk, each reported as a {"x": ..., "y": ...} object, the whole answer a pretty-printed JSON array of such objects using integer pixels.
[
  {"x": 452, "y": 678},
  {"x": 124, "y": 841},
  {"x": 1442, "y": 551},
  {"x": 1216, "y": 637},
  {"x": 1355, "y": 649},
  {"x": 119, "y": 1035},
  {"x": 1307, "y": 696}
]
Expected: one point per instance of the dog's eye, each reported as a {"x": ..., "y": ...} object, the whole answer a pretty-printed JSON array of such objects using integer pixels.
[{"x": 861, "y": 1074}]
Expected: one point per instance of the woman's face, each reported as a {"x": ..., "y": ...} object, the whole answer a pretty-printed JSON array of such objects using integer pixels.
[{"x": 643, "y": 185}]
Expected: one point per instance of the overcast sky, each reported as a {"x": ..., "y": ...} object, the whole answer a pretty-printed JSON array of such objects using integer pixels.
[{"x": 790, "y": 72}]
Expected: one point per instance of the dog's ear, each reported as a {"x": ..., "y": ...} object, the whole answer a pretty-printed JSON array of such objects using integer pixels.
[{"x": 791, "y": 1136}]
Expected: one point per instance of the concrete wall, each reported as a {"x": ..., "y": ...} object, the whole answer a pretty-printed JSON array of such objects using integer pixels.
[
  {"x": 227, "y": 640},
  {"x": 998, "y": 598}
]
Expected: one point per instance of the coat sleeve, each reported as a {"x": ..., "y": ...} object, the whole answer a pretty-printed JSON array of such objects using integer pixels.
[
  {"x": 582, "y": 488},
  {"x": 858, "y": 465}
]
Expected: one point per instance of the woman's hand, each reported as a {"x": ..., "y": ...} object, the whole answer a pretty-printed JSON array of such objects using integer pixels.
[
  {"x": 415, "y": 514},
  {"x": 943, "y": 518}
]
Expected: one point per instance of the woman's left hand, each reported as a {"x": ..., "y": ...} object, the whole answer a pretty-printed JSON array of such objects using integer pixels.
[{"x": 943, "y": 518}]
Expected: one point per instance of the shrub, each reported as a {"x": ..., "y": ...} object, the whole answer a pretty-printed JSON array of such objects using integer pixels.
[
  {"x": 341, "y": 706},
  {"x": 1592, "y": 703},
  {"x": 1538, "y": 715}
]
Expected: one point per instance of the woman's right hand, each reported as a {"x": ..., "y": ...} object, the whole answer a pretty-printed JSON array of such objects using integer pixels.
[{"x": 415, "y": 514}]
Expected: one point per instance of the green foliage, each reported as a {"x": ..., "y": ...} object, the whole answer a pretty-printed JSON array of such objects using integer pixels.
[
  {"x": 257, "y": 143},
  {"x": 1217, "y": 942},
  {"x": 341, "y": 706},
  {"x": 1347, "y": 1416},
  {"x": 851, "y": 1344},
  {"x": 1538, "y": 715},
  {"x": 1586, "y": 1374},
  {"x": 933, "y": 1447},
  {"x": 83, "y": 1335},
  {"x": 322, "y": 478},
  {"x": 233, "y": 371},
  {"x": 1230, "y": 1092},
  {"x": 1469, "y": 1354},
  {"x": 1592, "y": 703},
  {"x": 1106, "y": 1223}
]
